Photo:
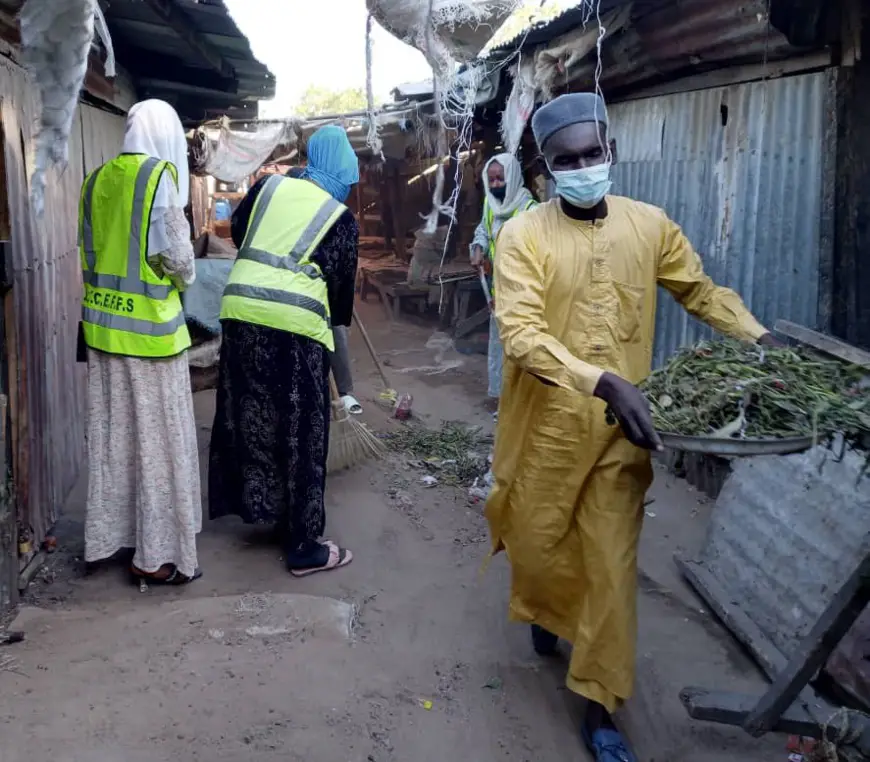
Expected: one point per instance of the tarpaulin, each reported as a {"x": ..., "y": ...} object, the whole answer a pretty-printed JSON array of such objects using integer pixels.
[{"x": 202, "y": 301}]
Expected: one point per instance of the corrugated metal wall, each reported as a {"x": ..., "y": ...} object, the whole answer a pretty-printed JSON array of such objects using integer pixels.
[
  {"x": 47, "y": 387},
  {"x": 741, "y": 169}
]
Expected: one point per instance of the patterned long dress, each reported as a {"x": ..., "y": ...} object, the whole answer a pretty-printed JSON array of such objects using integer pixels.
[
  {"x": 143, "y": 461},
  {"x": 271, "y": 431}
]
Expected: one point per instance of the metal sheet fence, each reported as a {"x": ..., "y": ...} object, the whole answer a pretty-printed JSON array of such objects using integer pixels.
[
  {"x": 740, "y": 168},
  {"x": 47, "y": 386}
]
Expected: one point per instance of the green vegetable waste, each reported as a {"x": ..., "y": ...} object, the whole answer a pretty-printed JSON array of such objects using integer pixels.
[
  {"x": 732, "y": 389},
  {"x": 455, "y": 452}
]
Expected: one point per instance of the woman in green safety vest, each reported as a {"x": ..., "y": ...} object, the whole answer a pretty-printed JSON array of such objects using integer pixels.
[
  {"x": 292, "y": 282},
  {"x": 143, "y": 463},
  {"x": 505, "y": 197}
]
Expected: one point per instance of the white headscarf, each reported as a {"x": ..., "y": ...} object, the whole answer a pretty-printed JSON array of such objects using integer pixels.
[
  {"x": 153, "y": 128},
  {"x": 516, "y": 194}
]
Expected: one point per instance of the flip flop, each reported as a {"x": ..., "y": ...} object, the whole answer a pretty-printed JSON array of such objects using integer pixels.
[
  {"x": 608, "y": 745},
  {"x": 351, "y": 404},
  {"x": 338, "y": 557}
]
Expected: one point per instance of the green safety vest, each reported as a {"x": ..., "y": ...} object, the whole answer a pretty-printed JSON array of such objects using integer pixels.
[
  {"x": 488, "y": 219},
  {"x": 274, "y": 282},
  {"x": 127, "y": 309}
]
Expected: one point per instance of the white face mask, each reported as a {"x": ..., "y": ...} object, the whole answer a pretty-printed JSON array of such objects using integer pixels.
[{"x": 584, "y": 188}]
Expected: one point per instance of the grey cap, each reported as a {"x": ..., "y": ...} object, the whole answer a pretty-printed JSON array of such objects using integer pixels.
[{"x": 574, "y": 108}]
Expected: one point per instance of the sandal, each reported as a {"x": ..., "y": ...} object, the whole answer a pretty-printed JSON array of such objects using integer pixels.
[
  {"x": 351, "y": 404},
  {"x": 175, "y": 578},
  {"x": 338, "y": 557}
]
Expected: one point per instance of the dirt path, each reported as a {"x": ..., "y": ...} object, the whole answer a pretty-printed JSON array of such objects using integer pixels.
[{"x": 405, "y": 656}]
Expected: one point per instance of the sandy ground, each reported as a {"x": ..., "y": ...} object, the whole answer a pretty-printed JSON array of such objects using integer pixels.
[{"x": 405, "y": 656}]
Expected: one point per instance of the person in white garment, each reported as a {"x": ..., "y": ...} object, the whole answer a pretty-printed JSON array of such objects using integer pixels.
[
  {"x": 505, "y": 196},
  {"x": 143, "y": 465}
]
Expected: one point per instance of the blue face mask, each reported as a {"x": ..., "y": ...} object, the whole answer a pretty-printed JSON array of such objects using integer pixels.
[{"x": 584, "y": 188}]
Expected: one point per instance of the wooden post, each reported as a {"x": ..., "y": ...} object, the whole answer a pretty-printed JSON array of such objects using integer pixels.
[
  {"x": 387, "y": 221},
  {"x": 832, "y": 626},
  {"x": 849, "y": 274},
  {"x": 397, "y": 204},
  {"x": 360, "y": 211}
]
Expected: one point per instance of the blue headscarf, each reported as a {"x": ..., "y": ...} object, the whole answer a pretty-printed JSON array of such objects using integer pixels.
[{"x": 332, "y": 163}]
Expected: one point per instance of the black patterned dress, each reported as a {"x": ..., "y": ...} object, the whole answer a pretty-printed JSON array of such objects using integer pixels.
[{"x": 271, "y": 430}]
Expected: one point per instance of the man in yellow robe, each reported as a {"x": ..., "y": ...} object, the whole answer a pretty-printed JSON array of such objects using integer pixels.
[{"x": 575, "y": 293}]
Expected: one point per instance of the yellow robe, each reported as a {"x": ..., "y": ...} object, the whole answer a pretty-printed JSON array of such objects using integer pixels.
[{"x": 575, "y": 299}]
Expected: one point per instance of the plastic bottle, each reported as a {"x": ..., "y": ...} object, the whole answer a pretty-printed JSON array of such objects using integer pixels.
[{"x": 403, "y": 407}]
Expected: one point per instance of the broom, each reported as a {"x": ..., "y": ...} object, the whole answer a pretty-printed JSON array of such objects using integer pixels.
[
  {"x": 350, "y": 440},
  {"x": 388, "y": 395}
]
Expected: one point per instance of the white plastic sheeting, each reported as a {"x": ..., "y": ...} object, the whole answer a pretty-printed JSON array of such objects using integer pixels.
[
  {"x": 233, "y": 156},
  {"x": 56, "y": 38},
  {"x": 520, "y": 104},
  {"x": 445, "y": 31}
]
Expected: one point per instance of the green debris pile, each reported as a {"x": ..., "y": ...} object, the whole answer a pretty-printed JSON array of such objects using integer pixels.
[
  {"x": 455, "y": 454},
  {"x": 734, "y": 389}
]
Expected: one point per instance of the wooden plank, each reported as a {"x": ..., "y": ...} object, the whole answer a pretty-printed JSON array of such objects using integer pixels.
[
  {"x": 360, "y": 209},
  {"x": 733, "y": 708},
  {"x": 13, "y": 469},
  {"x": 478, "y": 319},
  {"x": 8, "y": 527},
  {"x": 398, "y": 207},
  {"x": 836, "y": 620},
  {"x": 746, "y": 632},
  {"x": 733, "y": 75},
  {"x": 823, "y": 343}
]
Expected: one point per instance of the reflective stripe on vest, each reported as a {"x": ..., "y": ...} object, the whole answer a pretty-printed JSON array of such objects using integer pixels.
[
  {"x": 274, "y": 283},
  {"x": 489, "y": 218},
  {"x": 127, "y": 308}
]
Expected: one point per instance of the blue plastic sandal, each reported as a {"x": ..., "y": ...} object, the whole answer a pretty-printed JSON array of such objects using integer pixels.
[{"x": 608, "y": 745}]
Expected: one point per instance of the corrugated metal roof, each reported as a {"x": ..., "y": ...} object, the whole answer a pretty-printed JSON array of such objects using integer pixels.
[
  {"x": 188, "y": 52},
  {"x": 740, "y": 169},
  {"x": 227, "y": 79},
  {"x": 542, "y": 30}
]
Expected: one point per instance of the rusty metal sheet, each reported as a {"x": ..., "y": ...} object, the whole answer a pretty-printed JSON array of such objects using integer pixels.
[{"x": 665, "y": 39}]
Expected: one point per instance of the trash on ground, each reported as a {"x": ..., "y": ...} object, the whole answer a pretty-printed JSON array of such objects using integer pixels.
[
  {"x": 455, "y": 451},
  {"x": 403, "y": 407}
]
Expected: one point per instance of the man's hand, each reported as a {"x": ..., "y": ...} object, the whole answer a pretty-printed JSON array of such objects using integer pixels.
[
  {"x": 769, "y": 340},
  {"x": 477, "y": 254},
  {"x": 630, "y": 409}
]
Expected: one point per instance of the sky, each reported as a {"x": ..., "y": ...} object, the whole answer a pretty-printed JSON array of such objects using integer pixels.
[{"x": 322, "y": 43}]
